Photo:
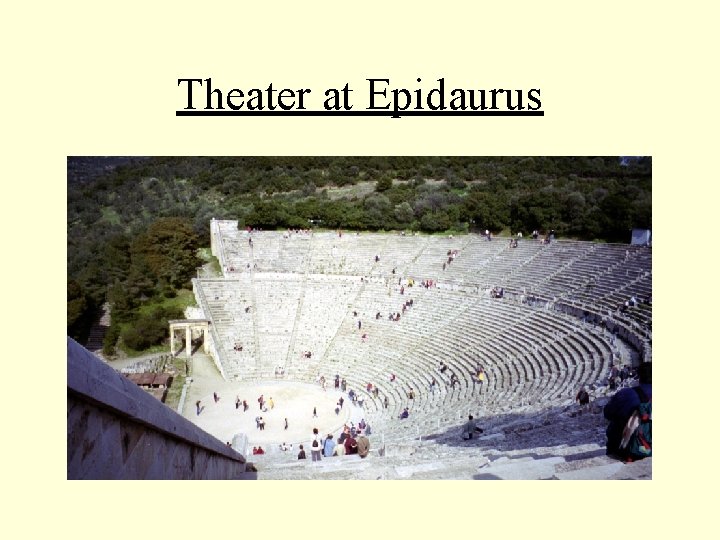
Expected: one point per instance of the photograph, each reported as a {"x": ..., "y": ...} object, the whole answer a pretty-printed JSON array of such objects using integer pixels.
[{"x": 359, "y": 317}]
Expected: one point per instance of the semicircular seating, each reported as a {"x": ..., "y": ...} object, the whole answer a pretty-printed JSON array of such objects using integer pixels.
[{"x": 555, "y": 329}]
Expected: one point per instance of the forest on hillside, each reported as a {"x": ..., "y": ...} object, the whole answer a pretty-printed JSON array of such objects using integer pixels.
[{"x": 134, "y": 224}]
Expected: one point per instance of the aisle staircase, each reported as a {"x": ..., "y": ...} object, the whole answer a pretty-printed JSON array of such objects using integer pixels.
[{"x": 98, "y": 330}]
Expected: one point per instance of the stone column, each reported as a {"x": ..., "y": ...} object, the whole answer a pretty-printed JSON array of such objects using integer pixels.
[
  {"x": 172, "y": 339},
  {"x": 188, "y": 340}
]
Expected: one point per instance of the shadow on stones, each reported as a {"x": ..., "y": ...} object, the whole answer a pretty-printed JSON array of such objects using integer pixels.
[{"x": 555, "y": 426}]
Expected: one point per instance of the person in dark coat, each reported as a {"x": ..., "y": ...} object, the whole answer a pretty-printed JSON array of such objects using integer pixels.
[{"x": 621, "y": 406}]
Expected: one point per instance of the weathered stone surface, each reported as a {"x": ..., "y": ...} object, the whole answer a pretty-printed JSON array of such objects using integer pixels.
[{"x": 117, "y": 431}]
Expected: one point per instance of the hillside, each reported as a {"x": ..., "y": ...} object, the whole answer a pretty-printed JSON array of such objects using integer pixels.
[{"x": 113, "y": 201}]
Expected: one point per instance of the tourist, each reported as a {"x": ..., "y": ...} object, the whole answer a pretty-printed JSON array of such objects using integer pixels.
[
  {"x": 301, "y": 454},
  {"x": 350, "y": 445},
  {"x": 480, "y": 375},
  {"x": 583, "y": 398},
  {"x": 404, "y": 414},
  {"x": 198, "y": 407},
  {"x": 621, "y": 406},
  {"x": 314, "y": 412},
  {"x": 316, "y": 446},
  {"x": 328, "y": 446},
  {"x": 216, "y": 397},
  {"x": 286, "y": 423},
  {"x": 363, "y": 446},
  {"x": 271, "y": 403},
  {"x": 469, "y": 428},
  {"x": 237, "y": 402}
]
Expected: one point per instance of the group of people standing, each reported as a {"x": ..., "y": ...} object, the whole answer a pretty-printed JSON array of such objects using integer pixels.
[{"x": 351, "y": 441}]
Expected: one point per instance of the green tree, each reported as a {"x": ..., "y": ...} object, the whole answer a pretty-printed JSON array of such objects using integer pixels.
[
  {"x": 377, "y": 211},
  {"x": 404, "y": 213},
  {"x": 78, "y": 315},
  {"x": 487, "y": 211},
  {"x": 383, "y": 184},
  {"x": 435, "y": 222},
  {"x": 168, "y": 250}
]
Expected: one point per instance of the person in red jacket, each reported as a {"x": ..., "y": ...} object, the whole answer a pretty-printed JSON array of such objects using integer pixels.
[{"x": 350, "y": 445}]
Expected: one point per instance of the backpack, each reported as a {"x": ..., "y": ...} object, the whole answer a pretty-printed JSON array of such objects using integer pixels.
[
  {"x": 636, "y": 442},
  {"x": 315, "y": 444}
]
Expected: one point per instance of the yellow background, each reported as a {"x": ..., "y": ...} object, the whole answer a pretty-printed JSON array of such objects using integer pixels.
[{"x": 617, "y": 78}]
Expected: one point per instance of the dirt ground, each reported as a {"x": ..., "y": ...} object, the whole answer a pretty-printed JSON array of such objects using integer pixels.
[{"x": 292, "y": 400}]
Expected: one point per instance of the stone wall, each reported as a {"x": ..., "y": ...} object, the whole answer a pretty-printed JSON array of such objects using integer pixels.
[{"x": 115, "y": 430}]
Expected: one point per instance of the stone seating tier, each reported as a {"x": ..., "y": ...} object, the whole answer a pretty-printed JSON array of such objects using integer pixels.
[{"x": 303, "y": 289}]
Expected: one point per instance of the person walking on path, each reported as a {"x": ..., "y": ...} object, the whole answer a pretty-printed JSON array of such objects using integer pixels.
[{"x": 583, "y": 398}]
